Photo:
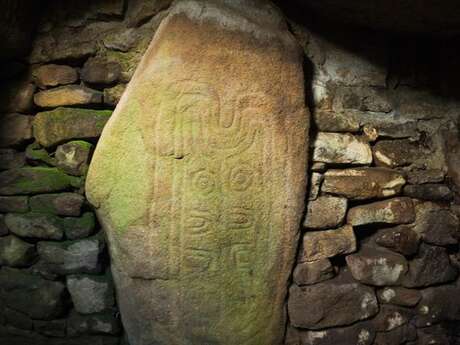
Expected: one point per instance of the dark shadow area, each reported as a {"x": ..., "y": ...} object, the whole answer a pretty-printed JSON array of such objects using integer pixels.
[{"x": 417, "y": 59}]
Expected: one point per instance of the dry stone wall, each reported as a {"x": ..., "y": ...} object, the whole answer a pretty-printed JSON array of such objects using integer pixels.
[
  {"x": 55, "y": 281},
  {"x": 378, "y": 258},
  {"x": 378, "y": 261}
]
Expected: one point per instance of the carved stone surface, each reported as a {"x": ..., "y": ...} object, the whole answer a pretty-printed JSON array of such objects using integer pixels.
[{"x": 199, "y": 178}]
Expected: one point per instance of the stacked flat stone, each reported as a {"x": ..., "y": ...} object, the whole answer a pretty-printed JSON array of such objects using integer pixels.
[
  {"x": 55, "y": 281},
  {"x": 378, "y": 261}
]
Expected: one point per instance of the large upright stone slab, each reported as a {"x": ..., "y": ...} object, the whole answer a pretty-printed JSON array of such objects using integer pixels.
[{"x": 199, "y": 178}]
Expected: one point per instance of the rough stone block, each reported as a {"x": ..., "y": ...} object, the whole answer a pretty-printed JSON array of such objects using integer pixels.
[
  {"x": 345, "y": 67},
  {"x": 400, "y": 335},
  {"x": 71, "y": 257},
  {"x": 437, "y": 304},
  {"x": 16, "y": 253},
  {"x": 366, "y": 99},
  {"x": 67, "y": 95},
  {"x": 324, "y": 244},
  {"x": 390, "y": 211},
  {"x": 55, "y": 75},
  {"x": 311, "y": 272},
  {"x": 35, "y": 225},
  {"x": 401, "y": 239},
  {"x": 436, "y": 225},
  {"x": 37, "y": 155},
  {"x": 139, "y": 11},
  {"x": 62, "y": 204},
  {"x": 16, "y": 204},
  {"x": 433, "y": 192},
  {"x": 430, "y": 267},
  {"x": 399, "y": 296},
  {"x": 52, "y": 328},
  {"x": 325, "y": 212},
  {"x": 377, "y": 267},
  {"x": 397, "y": 153},
  {"x": 362, "y": 333},
  {"x": 91, "y": 294},
  {"x": 314, "y": 185},
  {"x": 76, "y": 228},
  {"x": 363, "y": 183},
  {"x": 68, "y": 46},
  {"x": 337, "y": 148},
  {"x": 331, "y": 303},
  {"x": 336, "y": 121},
  {"x": 64, "y": 124},
  {"x": 73, "y": 157},
  {"x": 32, "y": 295},
  {"x": 99, "y": 71},
  {"x": 101, "y": 323},
  {"x": 31, "y": 180}
]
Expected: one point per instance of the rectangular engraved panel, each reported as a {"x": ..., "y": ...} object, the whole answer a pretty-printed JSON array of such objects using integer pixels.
[{"x": 199, "y": 178}]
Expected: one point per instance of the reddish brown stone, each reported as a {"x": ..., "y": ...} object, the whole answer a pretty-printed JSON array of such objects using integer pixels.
[
  {"x": 391, "y": 211},
  {"x": 331, "y": 303},
  {"x": 325, "y": 212},
  {"x": 67, "y": 95},
  {"x": 401, "y": 239},
  {"x": 377, "y": 267},
  {"x": 99, "y": 71},
  {"x": 311, "y": 272},
  {"x": 55, "y": 75},
  {"x": 399, "y": 296},
  {"x": 317, "y": 245},
  {"x": 363, "y": 183}
]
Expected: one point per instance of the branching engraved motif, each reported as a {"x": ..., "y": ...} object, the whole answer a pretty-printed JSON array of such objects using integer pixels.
[
  {"x": 239, "y": 218},
  {"x": 200, "y": 221},
  {"x": 212, "y": 192},
  {"x": 198, "y": 260},
  {"x": 241, "y": 256}
]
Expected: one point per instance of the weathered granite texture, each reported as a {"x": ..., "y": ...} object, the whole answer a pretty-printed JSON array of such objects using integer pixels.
[{"x": 199, "y": 177}]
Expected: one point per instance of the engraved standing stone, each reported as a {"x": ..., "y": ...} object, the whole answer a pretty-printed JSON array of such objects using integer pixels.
[{"x": 199, "y": 178}]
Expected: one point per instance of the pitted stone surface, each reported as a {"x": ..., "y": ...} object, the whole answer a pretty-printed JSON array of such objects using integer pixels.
[
  {"x": 337, "y": 148},
  {"x": 390, "y": 211},
  {"x": 378, "y": 267},
  {"x": 325, "y": 212},
  {"x": 362, "y": 333},
  {"x": 317, "y": 245},
  {"x": 399, "y": 296},
  {"x": 199, "y": 177},
  {"x": 335, "y": 302},
  {"x": 363, "y": 183}
]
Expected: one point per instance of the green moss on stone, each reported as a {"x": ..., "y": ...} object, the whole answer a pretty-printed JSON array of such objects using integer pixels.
[
  {"x": 126, "y": 172},
  {"x": 31, "y": 180},
  {"x": 128, "y": 61},
  {"x": 35, "y": 152},
  {"x": 80, "y": 227},
  {"x": 83, "y": 144},
  {"x": 64, "y": 124}
]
